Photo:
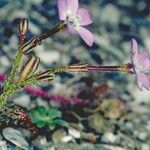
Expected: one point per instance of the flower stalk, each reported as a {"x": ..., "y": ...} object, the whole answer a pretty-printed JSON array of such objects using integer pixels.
[{"x": 126, "y": 68}]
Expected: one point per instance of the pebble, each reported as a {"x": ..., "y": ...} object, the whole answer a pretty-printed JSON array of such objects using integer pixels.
[
  {"x": 107, "y": 18},
  {"x": 15, "y": 137},
  {"x": 3, "y": 145},
  {"x": 145, "y": 147},
  {"x": 75, "y": 133},
  {"x": 109, "y": 137},
  {"x": 58, "y": 135},
  {"x": 49, "y": 57},
  {"x": 23, "y": 100},
  {"x": 142, "y": 136},
  {"x": 68, "y": 138}
]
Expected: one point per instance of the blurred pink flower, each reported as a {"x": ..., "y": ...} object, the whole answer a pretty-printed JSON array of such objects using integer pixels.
[
  {"x": 2, "y": 77},
  {"x": 75, "y": 18},
  {"x": 141, "y": 66},
  {"x": 59, "y": 98}
]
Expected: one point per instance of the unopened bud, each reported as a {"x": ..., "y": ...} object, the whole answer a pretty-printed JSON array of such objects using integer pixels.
[
  {"x": 23, "y": 26},
  {"x": 29, "y": 68},
  {"x": 26, "y": 48},
  {"x": 45, "y": 76}
]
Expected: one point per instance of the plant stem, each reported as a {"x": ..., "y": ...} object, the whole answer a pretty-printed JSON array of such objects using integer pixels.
[
  {"x": 26, "y": 48},
  {"x": 84, "y": 68},
  {"x": 16, "y": 64}
]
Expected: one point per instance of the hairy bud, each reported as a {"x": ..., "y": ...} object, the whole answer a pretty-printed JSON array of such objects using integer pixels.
[
  {"x": 23, "y": 26},
  {"x": 29, "y": 68},
  {"x": 26, "y": 48},
  {"x": 45, "y": 76}
]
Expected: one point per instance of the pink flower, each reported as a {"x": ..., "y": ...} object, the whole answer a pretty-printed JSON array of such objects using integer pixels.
[
  {"x": 141, "y": 66},
  {"x": 75, "y": 18}
]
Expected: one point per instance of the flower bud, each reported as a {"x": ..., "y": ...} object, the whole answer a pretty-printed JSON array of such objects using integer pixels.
[
  {"x": 45, "y": 76},
  {"x": 26, "y": 48},
  {"x": 29, "y": 68},
  {"x": 23, "y": 26}
]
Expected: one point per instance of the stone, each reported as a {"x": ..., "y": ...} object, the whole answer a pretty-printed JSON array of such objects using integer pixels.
[
  {"x": 15, "y": 137},
  {"x": 58, "y": 135},
  {"x": 97, "y": 122},
  {"x": 68, "y": 138},
  {"x": 23, "y": 100},
  {"x": 75, "y": 133},
  {"x": 3, "y": 145},
  {"x": 109, "y": 137}
]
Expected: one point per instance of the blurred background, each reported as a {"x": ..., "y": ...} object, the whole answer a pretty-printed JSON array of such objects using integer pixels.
[{"x": 115, "y": 22}]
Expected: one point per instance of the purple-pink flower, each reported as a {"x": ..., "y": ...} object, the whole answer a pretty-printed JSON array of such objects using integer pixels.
[
  {"x": 141, "y": 66},
  {"x": 75, "y": 18}
]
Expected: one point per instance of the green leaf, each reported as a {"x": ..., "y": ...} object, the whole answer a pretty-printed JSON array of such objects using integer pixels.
[
  {"x": 34, "y": 115},
  {"x": 40, "y": 124},
  {"x": 41, "y": 110},
  {"x": 53, "y": 113},
  {"x": 50, "y": 117},
  {"x": 60, "y": 122}
]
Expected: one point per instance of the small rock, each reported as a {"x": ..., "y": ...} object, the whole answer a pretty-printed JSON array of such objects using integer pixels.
[
  {"x": 75, "y": 133},
  {"x": 97, "y": 122},
  {"x": 58, "y": 135},
  {"x": 112, "y": 108},
  {"x": 142, "y": 136},
  {"x": 3, "y": 145},
  {"x": 49, "y": 57},
  {"x": 109, "y": 137},
  {"x": 23, "y": 101},
  {"x": 145, "y": 147},
  {"x": 106, "y": 17},
  {"x": 41, "y": 143},
  {"x": 15, "y": 137},
  {"x": 68, "y": 138}
]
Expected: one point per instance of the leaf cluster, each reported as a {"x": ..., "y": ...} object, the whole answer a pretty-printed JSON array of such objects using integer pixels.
[{"x": 50, "y": 117}]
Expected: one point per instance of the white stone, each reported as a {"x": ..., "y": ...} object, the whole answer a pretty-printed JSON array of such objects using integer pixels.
[
  {"x": 41, "y": 102},
  {"x": 49, "y": 57},
  {"x": 23, "y": 100},
  {"x": 142, "y": 136},
  {"x": 110, "y": 14},
  {"x": 145, "y": 147},
  {"x": 3, "y": 145},
  {"x": 75, "y": 133},
  {"x": 109, "y": 137},
  {"x": 4, "y": 61},
  {"x": 67, "y": 138},
  {"x": 141, "y": 96},
  {"x": 15, "y": 137}
]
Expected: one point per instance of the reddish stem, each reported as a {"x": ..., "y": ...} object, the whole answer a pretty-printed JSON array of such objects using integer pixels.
[{"x": 58, "y": 98}]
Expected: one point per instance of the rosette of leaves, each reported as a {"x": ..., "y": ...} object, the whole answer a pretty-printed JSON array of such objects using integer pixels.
[{"x": 50, "y": 117}]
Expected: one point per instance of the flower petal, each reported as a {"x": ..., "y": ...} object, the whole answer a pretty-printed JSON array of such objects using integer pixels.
[
  {"x": 72, "y": 6},
  {"x": 86, "y": 35},
  {"x": 143, "y": 81},
  {"x": 134, "y": 53},
  {"x": 134, "y": 46},
  {"x": 144, "y": 60},
  {"x": 84, "y": 17},
  {"x": 62, "y": 8}
]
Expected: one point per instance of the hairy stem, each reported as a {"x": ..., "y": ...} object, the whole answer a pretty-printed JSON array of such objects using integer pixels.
[{"x": 10, "y": 86}]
